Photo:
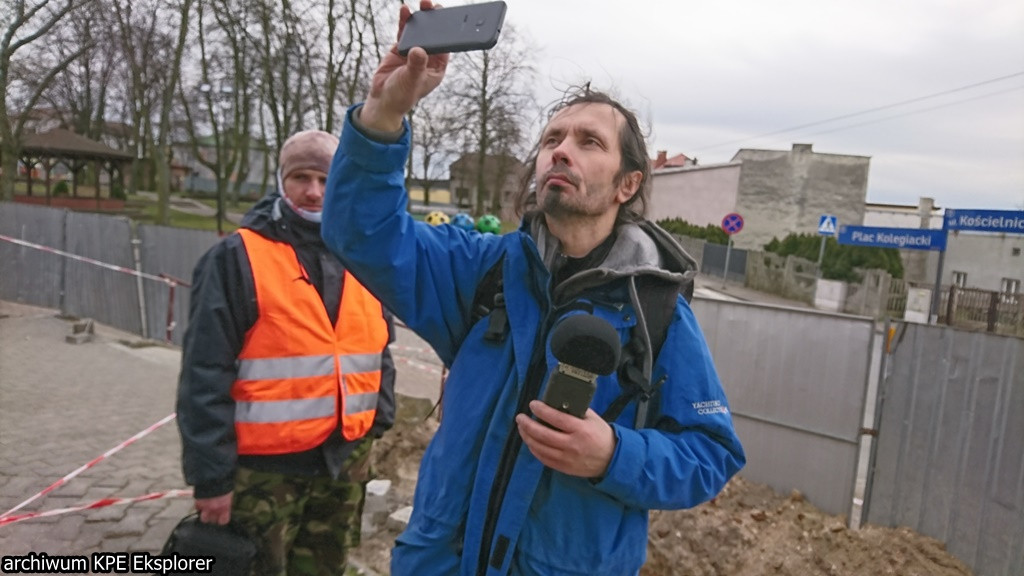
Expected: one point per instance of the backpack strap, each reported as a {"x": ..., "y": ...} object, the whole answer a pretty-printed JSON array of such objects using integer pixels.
[
  {"x": 656, "y": 301},
  {"x": 489, "y": 301}
]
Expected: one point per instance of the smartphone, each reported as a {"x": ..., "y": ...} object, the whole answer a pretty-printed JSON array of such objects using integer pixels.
[
  {"x": 454, "y": 29},
  {"x": 570, "y": 390}
]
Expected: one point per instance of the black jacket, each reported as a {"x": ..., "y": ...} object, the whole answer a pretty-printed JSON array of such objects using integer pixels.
[{"x": 222, "y": 309}]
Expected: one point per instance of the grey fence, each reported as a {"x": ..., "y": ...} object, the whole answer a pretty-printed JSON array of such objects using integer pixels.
[
  {"x": 713, "y": 262},
  {"x": 797, "y": 383},
  {"x": 170, "y": 253},
  {"x": 98, "y": 266},
  {"x": 99, "y": 292},
  {"x": 28, "y": 275},
  {"x": 949, "y": 458}
]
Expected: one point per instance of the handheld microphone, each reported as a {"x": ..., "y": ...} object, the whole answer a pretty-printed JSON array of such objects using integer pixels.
[{"x": 585, "y": 346}]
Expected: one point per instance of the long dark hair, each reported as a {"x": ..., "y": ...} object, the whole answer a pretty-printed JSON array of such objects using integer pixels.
[{"x": 632, "y": 146}]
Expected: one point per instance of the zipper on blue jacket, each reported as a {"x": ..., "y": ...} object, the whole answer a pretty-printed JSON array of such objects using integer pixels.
[
  {"x": 513, "y": 443},
  {"x": 509, "y": 454}
]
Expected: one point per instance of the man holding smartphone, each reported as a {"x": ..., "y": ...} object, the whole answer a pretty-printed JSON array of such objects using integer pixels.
[{"x": 498, "y": 492}]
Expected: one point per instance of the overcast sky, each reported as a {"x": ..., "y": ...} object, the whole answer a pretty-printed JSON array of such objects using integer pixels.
[{"x": 715, "y": 76}]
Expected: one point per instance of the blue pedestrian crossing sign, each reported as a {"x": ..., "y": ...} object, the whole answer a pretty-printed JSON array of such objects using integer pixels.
[{"x": 827, "y": 225}]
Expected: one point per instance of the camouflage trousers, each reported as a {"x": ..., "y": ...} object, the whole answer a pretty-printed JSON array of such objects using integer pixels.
[{"x": 304, "y": 525}]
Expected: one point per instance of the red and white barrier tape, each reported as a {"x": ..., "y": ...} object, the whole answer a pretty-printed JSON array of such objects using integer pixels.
[
  {"x": 87, "y": 260},
  {"x": 93, "y": 462},
  {"x": 419, "y": 365},
  {"x": 101, "y": 503},
  {"x": 413, "y": 349}
]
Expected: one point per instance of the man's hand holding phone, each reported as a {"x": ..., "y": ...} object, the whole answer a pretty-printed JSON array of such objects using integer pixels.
[{"x": 400, "y": 81}]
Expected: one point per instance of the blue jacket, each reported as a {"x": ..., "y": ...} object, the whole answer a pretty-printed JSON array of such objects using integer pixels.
[{"x": 484, "y": 504}]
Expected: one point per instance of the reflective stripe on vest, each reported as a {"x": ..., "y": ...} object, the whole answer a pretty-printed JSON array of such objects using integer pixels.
[{"x": 295, "y": 370}]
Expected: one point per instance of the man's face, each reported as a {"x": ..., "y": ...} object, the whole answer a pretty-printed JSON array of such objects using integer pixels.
[
  {"x": 305, "y": 189},
  {"x": 578, "y": 160}
]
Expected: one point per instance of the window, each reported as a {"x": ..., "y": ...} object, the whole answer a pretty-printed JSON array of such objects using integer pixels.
[
  {"x": 960, "y": 279},
  {"x": 1010, "y": 291}
]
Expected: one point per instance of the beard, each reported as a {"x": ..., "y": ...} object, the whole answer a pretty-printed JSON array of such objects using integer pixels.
[
  {"x": 588, "y": 202},
  {"x": 552, "y": 200}
]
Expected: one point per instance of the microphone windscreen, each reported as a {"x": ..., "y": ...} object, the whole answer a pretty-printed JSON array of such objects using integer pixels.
[{"x": 586, "y": 342}]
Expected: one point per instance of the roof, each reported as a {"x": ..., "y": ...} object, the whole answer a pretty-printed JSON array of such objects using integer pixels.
[{"x": 62, "y": 142}]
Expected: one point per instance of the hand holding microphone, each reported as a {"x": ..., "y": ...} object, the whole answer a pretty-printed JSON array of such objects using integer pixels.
[
  {"x": 570, "y": 437},
  {"x": 585, "y": 346}
]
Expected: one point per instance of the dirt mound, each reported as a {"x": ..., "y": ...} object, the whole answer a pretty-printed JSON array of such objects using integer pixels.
[{"x": 748, "y": 530}]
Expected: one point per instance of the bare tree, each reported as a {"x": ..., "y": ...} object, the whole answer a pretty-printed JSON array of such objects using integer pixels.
[
  {"x": 283, "y": 80},
  {"x": 162, "y": 149},
  {"x": 494, "y": 90},
  {"x": 436, "y": 123},
  {"x": 79, "y": 95},
  {"x": 353, "y": 48},
  {"x": 148, "y": 50},
  {"x": 22, "y": 24},
  {"x": 204, "y": 106},
  {"x": 235, "y": 23}
]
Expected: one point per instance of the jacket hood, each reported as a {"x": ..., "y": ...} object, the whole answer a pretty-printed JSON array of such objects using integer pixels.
[
  {"x": 641, "y": 248},
  {"x": 272, "y": 218}
]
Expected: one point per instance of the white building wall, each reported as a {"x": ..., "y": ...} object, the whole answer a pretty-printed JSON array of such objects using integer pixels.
[
  {"x": 699, "y": 195},
  {"x": 985, "y": 258}
]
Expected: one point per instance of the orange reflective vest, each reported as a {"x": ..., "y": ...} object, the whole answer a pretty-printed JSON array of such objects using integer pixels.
[{"x": 296, "y": 372}]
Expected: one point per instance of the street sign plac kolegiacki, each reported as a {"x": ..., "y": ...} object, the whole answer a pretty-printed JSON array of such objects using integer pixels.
[{"x": 732, "y": 223}]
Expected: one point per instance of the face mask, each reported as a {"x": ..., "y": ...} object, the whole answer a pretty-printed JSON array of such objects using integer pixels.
[{"x": 306, "y": 215}]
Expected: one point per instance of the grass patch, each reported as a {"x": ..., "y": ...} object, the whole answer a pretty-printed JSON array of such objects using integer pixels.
[
  {"x": 242, "y": 206},
  {"x": 145, "y": 211}
]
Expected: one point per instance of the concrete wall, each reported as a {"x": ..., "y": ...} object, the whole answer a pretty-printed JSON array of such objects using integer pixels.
[
  {"x": 699, "y": 195},
  {"x": 787, "y": 191}
]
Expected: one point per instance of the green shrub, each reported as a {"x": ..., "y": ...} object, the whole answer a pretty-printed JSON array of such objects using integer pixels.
[
  {"x": 710, "y": 233},
  {"x": 117, "y": 191},
  {"x": 61, "y": 188},
  {"x": 840, "y": 260}
]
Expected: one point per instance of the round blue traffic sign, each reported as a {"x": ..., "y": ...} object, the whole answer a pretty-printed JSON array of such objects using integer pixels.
[{"x": 732, "y": 223}]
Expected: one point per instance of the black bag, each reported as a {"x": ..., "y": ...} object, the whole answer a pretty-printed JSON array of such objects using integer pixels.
[{"x": 233, "y": 549}]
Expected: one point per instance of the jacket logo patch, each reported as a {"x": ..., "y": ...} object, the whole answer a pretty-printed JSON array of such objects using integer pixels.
[{"x": 710, "y": 407}]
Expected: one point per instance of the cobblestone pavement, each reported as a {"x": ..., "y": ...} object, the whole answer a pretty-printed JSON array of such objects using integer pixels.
[{"x": 62, "y": 405}]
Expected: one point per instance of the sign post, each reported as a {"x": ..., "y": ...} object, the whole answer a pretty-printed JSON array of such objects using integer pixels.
[
  {"x": 827, "y": 226},
  {"x": 731, "y": 224}
]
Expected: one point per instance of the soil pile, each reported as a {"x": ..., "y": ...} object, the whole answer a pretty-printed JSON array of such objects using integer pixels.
[{"x": 748, "y": 530}]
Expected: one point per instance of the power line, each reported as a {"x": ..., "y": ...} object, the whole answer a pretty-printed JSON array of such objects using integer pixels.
[
  {"x": 869, "y": 111},
  {"x": 912, "y": 112}
]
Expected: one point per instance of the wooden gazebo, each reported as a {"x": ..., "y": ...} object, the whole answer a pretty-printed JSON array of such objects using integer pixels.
[{"x": 74, "y": 151}]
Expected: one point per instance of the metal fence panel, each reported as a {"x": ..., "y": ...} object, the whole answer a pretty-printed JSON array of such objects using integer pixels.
[
  {"x": 949, "y": 459},
  {"x": 172, "y": 252},
  {"x": 108, "y": 296},
  {"x": 797, "y": 382},
  {"x": 713, "y": 262},
  {"x": 29, "y": 275}
]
